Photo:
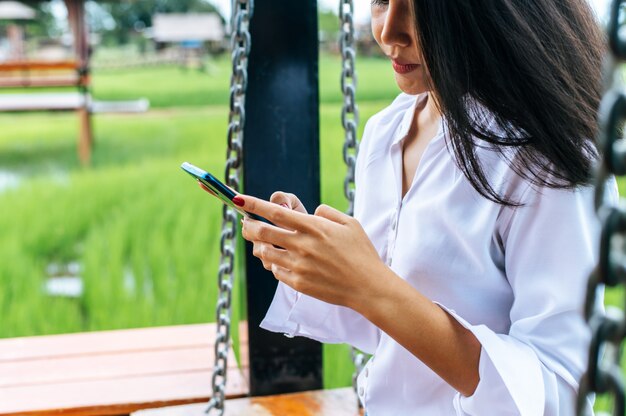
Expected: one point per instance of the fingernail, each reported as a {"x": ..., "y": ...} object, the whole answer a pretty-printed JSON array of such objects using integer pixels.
[
  {"x": 284, "y": 205},
  {"x": 239, "y": 201}
]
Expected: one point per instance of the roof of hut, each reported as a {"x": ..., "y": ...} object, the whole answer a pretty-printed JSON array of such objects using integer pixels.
[
  {"x": 180, "y": 27},
  {"x": 14, "y": 10}
]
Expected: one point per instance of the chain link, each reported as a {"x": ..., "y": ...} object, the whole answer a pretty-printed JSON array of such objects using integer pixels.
[
  {"x": 608, "y": 330},
  {"x": 350, "y": 111},
  {"x": 350, "y": 122},
  {"x": 240, "y": 43}
]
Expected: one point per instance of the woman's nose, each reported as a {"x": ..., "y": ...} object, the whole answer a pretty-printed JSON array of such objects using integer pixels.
[{"x": 399, "y": 26}]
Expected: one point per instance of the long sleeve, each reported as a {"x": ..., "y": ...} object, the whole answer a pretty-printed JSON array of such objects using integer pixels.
[
  {"x": 550, "y": 246},
  {"x": 296, "y": 314}
]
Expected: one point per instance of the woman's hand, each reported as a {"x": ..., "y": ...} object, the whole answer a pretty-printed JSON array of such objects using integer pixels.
[
  {"x": 289, "y": 201},
  {"x": 326, "y": 255}
]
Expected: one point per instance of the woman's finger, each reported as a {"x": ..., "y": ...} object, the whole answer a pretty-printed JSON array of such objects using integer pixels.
[
  {"x": 271, "y": 255},
  {"x": 206, "y": 189},
  {"x": 332, "y": 214},
  {"x": 278, "y": 215},
  {"x": 288, "y": 201},
  {"x": 258, "y": 231},
  {"x": 257, "y": 250},
  {"x": 285, "y": 200},
  {"x": 282, "y": 274},
  {"x": 282, "y": 199}
]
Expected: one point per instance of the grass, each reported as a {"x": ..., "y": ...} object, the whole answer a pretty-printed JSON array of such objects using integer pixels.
[
  {"x": 131, "y": 220},
  {"x": 147, "y": 258}
]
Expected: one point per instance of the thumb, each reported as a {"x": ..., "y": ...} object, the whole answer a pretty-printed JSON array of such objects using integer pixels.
[
  {"x": 332, "y": 214},
  {"x": 287, "y": 200}
]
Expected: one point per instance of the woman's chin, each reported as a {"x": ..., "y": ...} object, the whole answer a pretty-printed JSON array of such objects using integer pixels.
[{"x": 411, "y": 87}]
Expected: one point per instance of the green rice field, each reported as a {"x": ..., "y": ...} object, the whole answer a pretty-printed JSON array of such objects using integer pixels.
[{"x": 144, "y": 255}]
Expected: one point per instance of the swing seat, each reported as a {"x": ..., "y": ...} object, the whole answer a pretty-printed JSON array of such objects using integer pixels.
[
  {"x": 337, "y": 402},
  {"x": 111, "y": 372}
]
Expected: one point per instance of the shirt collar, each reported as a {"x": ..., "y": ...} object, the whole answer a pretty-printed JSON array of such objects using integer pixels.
[{"x": 407, "y": 119}]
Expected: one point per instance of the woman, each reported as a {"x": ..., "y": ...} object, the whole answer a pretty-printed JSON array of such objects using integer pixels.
[{"x": 464, "y": 269}]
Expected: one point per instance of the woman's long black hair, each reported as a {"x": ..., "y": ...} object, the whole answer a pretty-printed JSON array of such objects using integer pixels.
[{"x": 534, "y": 65}]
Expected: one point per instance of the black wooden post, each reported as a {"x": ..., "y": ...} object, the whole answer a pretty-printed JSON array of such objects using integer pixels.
[{"x": 281, "y": 152}]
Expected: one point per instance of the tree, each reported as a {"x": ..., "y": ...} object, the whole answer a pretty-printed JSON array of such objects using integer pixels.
[{"x": 44, "y": 24}]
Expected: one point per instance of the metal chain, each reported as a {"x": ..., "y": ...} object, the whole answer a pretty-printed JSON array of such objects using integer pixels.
[
  {"x": 349, "y": 112},
  {"x": 350, "y": 122},
  {"x": 604, "y": 373},
  {"x": 242, "y": 11}
]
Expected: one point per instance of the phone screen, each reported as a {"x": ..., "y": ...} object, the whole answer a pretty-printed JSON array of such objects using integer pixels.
[{"x": 221, "y": 191}]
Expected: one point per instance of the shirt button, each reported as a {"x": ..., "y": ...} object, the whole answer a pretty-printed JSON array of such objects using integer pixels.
[{"x": 361, "y": 391}]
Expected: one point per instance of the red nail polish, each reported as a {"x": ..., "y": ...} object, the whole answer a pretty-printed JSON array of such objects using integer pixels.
[{"x": 239, "y": 201}]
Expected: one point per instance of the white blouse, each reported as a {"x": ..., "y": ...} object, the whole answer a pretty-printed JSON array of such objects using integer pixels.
[{"x": 514, "y": 277}]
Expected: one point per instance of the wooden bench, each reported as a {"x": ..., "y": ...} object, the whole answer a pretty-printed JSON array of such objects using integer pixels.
[
  {"x": 338, "y": 402},
  {"x": 42, "y": 74},
  {"x": 111, "y": 372}
]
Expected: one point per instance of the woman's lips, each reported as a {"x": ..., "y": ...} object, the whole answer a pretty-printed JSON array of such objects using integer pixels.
[{"x": 401, "y": 68}]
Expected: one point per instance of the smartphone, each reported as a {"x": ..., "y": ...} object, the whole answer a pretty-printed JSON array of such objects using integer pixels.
[{"x": 221, "y": 191}]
